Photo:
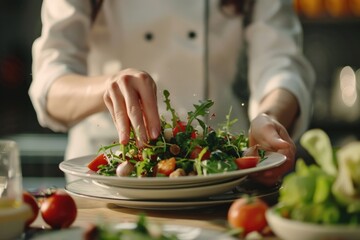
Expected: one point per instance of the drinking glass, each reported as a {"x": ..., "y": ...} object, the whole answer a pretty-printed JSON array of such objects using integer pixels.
[
  {"x": 13, "y": 212},
  {"x": 10, "y": 175}
]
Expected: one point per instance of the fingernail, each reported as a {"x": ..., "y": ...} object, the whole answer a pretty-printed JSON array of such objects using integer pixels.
[
  {"x": 154, "y": 133},
  {"x": 140, "y": 144},
  {"x": 141, "y": 141},
  {"x": 122, "y": 140},
  {"x": 123, "y": 137}
]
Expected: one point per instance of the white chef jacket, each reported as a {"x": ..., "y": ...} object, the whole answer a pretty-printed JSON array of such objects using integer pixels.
[{"x": 189, "y": 47}]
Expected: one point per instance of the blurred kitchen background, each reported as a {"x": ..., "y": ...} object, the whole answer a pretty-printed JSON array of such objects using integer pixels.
[{"x": 331, "y": 43}]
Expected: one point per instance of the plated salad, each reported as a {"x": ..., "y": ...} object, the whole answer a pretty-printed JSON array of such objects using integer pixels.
[{"x": 185, "y": 147}]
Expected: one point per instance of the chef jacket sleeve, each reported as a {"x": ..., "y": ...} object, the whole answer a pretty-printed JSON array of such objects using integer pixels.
[
  {"x": 61, "y": 49},
  {"x": 276, "y": 60}
]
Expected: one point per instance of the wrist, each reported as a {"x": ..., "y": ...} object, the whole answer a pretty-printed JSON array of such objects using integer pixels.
[{"x": 282, "y": 106}]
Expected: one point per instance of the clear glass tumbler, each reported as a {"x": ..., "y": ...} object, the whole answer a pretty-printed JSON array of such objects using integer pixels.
[
  {"x": 13, "y": 212},
  {"x": 10, "y": 175}
]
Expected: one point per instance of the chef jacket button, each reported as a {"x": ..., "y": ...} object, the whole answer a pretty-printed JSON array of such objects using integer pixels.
[
  {"x": 149, "y": 36},
  {"x": 192, "y": 34}
]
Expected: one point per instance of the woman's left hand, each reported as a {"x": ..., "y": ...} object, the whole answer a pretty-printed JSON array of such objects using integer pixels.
[{"x": 272, "y": 136}]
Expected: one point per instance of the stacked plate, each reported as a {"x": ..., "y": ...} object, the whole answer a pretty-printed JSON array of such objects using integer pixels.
[{"x": 162, "y": 192}]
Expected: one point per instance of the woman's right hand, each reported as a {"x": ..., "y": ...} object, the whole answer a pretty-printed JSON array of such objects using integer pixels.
[{"x": 131, "y": 99}]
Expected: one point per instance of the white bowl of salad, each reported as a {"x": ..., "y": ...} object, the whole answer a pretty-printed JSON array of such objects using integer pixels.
[
  {"x": 289, "y": 229},
  {"x": 322, "y": 200}
]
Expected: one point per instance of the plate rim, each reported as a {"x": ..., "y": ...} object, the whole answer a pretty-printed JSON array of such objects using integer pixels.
[
  {"x": 172, "y": 204},
  {"x": 158, "y": 181},
  {"x": 146, "y": 204},
  {"x": 227, "y": 186}
]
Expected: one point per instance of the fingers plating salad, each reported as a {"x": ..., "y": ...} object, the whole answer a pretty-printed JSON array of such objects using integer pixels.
[{"x": 182, "y": 149}]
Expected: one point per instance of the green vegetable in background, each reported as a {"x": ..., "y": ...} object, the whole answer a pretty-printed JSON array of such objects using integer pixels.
[
  {"x": 143, "y": 230},
  {"x": 347, "y": 185},
  {"x": 306, "y": 193},
  {"x": 327, "y": 192},
  {"x": 318, "y": 144}
]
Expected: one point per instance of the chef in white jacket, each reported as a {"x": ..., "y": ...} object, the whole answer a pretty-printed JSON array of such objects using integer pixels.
[{"x": 89, "y": 74}]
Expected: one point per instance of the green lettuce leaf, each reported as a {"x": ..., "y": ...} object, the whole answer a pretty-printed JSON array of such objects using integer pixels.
[
  {"x": 347, "y": 184},
  {"x": 318, "y": 144}
]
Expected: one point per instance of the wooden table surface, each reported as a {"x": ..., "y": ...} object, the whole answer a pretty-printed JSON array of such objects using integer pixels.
[{"x": 93, "y": 211}]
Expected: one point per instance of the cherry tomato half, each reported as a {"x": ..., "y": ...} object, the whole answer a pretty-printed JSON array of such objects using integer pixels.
[
  {"x": 247, "y": 162},
  {"x": 31, "y": 201},
  {"x": 181, "y": 127},
  {"x": 166, "y": 166},
  {"x": 196, "y": 151},
  {"x": 248, "y": 213},
  {"x": 96, "y": 162},
  {"x": 59, "y": 210}
]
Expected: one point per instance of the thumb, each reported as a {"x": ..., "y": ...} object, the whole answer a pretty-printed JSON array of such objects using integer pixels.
[
  {"x": 278, "y": 138},
  {"x": 278, "y": 143}
]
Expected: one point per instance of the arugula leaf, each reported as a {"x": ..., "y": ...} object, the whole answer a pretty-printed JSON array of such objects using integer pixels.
[
  {"x": 109, "y": 169},
  {"x": 184, "y": 141},
  {"x": 175, "y": 117},
  {"x": 185, "y": 164},
  {"x": 200, "y": 110},
  {"x": 105, "y": 148},
  {"x": 144, "y": 168},
  {"x": 219, "y": 162},
  {"x": 226, "y": 127},
  {"x": 212, "y": 140}
]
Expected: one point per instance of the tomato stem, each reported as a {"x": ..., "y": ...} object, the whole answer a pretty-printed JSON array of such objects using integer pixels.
[{"x": 235, "y": 231}]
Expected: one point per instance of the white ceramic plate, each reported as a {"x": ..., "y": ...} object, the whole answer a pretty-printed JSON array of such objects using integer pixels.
[
  {"x": 180, "y": 231},
  {"x": 295, "y": 230},
  {"x": 172, "y": 193},
  {"x": 78, "y": 167},
  {"x": 86, "y": 189}
]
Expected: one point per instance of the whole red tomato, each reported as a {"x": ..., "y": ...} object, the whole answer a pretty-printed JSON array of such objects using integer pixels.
[
  {"x": 248, "y": 213},
  {"x": 59, "y": 210},
  {"x": 31, "y": 201}
]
